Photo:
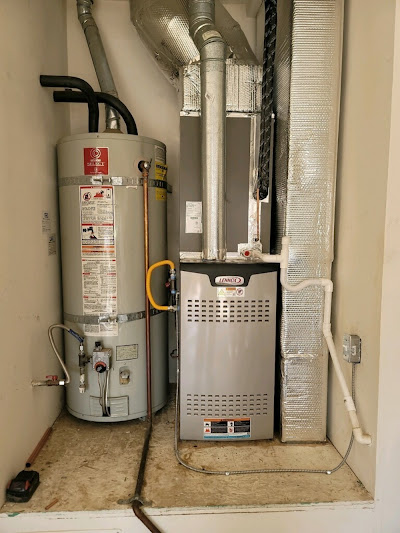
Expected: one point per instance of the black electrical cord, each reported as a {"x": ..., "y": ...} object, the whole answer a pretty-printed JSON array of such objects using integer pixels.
[
  {"x": 264, "y": 177},
  {"x": 77, "y": 83},
  {"x": 102, "y": 98}
]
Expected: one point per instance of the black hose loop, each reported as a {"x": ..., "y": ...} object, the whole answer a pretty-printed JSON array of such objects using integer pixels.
[
  {"x": 102, "y": 98},
  {"x": 77, "y": 83}
]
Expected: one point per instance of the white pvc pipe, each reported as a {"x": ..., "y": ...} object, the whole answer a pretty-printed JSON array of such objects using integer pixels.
[{"x": 283, "y": 259}]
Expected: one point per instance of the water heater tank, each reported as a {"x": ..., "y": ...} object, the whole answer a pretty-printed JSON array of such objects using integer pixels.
[{"x": 102, "y": 245}]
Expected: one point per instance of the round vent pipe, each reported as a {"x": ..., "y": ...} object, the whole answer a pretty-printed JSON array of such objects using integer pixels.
[{"x": 212, "y": 49}]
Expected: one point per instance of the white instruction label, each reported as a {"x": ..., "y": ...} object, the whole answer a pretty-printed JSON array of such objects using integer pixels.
[
  {"x": 97, "y": 220},
  {"x": 46, "y": 222},
  {"x": 194, "y": 222},
  {"x": 127, "y": 352},
  {"x": 99, "y": 265},
  {"x": 52, "y": 244},
  {"x": 160, "y": 154},
  {"x": 230, "y": 292},
  {"x": 99, "y": 285}
]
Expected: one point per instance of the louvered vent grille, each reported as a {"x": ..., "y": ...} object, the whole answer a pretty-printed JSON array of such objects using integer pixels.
[
  {"x": 226, "y": 405},
  {"x": 234, "y": 310}
]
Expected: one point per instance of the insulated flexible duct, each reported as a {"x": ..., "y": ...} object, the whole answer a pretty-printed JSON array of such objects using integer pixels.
[
  {"x": 163, "y": 25},
  {"x": 307, "y": 89}
]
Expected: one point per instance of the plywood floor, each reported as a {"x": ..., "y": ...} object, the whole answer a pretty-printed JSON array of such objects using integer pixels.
[{"x": 89, "y": 466}]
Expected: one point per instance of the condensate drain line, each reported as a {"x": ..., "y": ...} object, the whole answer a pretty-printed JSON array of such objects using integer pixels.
[
  {"x": 349, "y": 399},
  {"x": 259, "y": 470}
]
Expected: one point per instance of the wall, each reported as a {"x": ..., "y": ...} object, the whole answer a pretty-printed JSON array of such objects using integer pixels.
[
  {"x": 360, "y": 214},
  {"x": 388, "y": 459},
  {"x": 32, "y": 41}
]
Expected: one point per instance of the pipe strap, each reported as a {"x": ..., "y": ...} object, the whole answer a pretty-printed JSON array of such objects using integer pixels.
[
  {"x": 112, "y": 180},
  {"x": 101, "y": 319}
]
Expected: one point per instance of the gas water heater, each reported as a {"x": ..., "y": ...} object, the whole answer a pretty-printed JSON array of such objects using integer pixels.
[{"x": 102, "y": 244}]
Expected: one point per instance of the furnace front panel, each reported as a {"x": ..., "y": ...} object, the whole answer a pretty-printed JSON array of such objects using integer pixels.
[{"x": 227, "y": 351}]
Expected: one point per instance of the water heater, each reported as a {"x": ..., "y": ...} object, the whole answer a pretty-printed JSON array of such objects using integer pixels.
[{"x": 102, "y": 245}]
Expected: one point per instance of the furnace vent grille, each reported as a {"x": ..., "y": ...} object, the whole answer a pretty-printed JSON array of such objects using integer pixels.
[
  {"x": 233, "y": 310},
  {"x": 226, "y": 405}
]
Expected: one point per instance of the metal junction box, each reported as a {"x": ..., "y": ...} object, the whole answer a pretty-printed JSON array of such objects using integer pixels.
[{"x": 228, "y": 321}]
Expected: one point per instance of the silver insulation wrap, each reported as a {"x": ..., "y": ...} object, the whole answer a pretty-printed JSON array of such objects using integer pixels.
[
  {"x": 163, "y": 25},
  {"x": 307, "y": 92},
  {"x": 243, "y": 87}
]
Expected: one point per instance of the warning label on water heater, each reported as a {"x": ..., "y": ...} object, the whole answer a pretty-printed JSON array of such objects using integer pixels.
[
  {"x": 97, "y": 220},
  {"x": 161, "y": 173},
  {"x": 99, "y": 264},
  {"x": 233, "y": 428}
]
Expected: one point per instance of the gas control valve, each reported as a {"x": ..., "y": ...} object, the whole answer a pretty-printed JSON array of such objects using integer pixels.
[{"x": 101, "y": 358}]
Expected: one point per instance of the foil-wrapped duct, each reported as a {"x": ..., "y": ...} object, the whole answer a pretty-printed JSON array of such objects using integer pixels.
[
  {"x": 163, "y": 25},
  {"x": 307, "y": 89},
  {"x": 243, "y": 87}
]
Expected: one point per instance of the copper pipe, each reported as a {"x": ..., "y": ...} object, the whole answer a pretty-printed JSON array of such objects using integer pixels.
[
  {"x": 145, "y": 174},
  {"x": 137, "y": 503},
  {"x": 258, "y": 215},
  {"x": 39, "y": 446},
  {"x": 51, "y": 504},
  {"x": 137, "y": 509}
]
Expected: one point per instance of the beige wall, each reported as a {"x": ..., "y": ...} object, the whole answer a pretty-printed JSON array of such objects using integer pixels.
[
  {"x": 360, "y": 214},
  {"x": 32, "y": 41}
]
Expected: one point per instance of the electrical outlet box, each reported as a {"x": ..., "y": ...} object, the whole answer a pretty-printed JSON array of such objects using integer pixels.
[{"x": 352, "y": 348}]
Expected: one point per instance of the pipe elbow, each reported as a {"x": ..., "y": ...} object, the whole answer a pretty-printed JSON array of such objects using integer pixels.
[{"x": 362, "y": 438}]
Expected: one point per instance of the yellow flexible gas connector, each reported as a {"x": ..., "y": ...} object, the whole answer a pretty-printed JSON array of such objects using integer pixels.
[{"x": 148, "y": 284}]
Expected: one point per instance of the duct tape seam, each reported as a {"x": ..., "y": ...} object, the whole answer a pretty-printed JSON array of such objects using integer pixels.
[
  {"x": 98, "y": 319},
  {"x": 112, "y": 180}
]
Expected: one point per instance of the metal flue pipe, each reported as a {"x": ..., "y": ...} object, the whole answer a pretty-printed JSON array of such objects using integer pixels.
[
  {"x": 99, "y": 58},
  {"x": 213, "y": 118}
]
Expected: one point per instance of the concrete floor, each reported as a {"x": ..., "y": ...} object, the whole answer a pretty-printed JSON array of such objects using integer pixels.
[{"x": 89, "y": 466}]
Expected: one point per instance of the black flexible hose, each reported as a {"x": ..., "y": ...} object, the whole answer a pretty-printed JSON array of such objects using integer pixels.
[
  {"x": 137, "y": 503},
  {"x": 77, "y": 83},
  {"x": 102, "y": 98},
  {"x": 264, "y": 165}
]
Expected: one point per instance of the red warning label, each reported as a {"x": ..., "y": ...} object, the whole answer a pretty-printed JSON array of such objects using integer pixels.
[{"x": 95, "y": 161}]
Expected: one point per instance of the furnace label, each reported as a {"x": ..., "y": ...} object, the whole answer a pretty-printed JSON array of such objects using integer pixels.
[
  {"x": 232, "y": 428},
  {"x": 230, "y": 292},
  {"x": 160, "y": 174},
  {"x": 194, "y": 222},
  {"x": 95, "y": 161}
]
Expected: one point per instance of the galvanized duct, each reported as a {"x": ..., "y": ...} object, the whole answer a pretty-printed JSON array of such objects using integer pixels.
[
  {"x": 213, "y": 118},
  {"x": 99, "y": 58},
  {"x": 307, "y": 89},
  {"x": 163, "y": 25}
]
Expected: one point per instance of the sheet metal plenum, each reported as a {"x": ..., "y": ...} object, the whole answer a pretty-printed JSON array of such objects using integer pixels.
[{"x": 308, "y": 74}]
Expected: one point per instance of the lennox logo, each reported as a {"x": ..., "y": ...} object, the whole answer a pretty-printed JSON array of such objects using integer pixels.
[{"x": 229, "y": 280}]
